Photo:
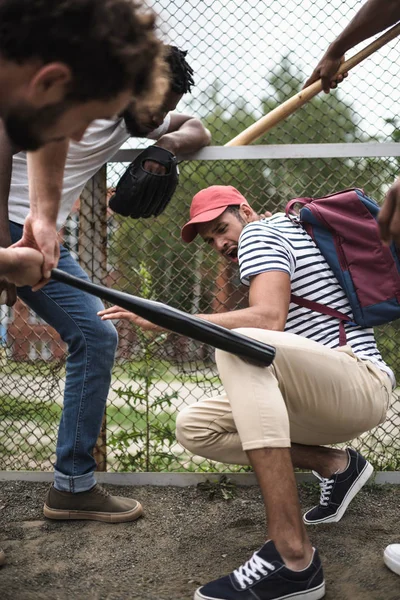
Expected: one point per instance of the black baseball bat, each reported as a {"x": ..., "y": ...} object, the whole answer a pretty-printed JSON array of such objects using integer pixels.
[{"x": 178, "y": 321}]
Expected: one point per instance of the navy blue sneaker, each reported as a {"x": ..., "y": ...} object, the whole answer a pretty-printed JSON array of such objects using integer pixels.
[
  {"x": 266, "y": 577},
  {"x": 339, "y": 490}
]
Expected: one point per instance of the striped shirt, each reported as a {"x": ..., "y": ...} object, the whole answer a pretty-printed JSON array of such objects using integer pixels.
[{"x": 279, "y": 244}]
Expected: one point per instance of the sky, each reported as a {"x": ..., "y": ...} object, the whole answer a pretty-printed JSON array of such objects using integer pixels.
[{"x": 239, "y": 42}]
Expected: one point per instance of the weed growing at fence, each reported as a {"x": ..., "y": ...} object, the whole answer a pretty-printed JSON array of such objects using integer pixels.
[
  {"x": 146, "y": 444},
  {"x": 223, "y": 488}
]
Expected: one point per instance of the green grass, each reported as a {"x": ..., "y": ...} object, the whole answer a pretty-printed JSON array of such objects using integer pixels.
[
  {"x": 125, "y": 418},
  {"x": 36, "y": 411},
  {"x": 36, "y": 368},
  {"x": 41, "y": 413},
  {"x": 165, "y": 371}
]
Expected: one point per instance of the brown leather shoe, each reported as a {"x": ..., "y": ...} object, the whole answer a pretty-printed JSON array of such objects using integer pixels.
[
  {"x": 95, "y": 505},
  {"x": 2, "y": 557}
]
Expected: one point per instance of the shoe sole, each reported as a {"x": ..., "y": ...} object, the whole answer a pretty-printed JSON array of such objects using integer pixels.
[
  {"x": 352, "y": 492},
  {"x": 391, "y": 562},
  {"x": 315, "y": 594},
  {"x": 85, "y": 515}
]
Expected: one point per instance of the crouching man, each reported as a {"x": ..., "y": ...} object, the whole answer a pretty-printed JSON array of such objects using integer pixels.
[{"x": 315, "y": 393}]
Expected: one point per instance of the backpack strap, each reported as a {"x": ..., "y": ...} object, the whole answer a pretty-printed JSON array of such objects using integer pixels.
[
  {"x": 292, "y": 203},
  {"x": 325, "y": 310}
]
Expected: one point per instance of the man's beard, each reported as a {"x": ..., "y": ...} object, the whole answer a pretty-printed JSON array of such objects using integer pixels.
[
  {"x": 134, "y": 127},
  {"x": 26, "y": 126}
]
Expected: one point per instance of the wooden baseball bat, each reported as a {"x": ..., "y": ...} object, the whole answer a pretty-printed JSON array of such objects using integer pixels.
[
  {"x": 178, "y": 321},
  {"x": 288, "y": 107}
]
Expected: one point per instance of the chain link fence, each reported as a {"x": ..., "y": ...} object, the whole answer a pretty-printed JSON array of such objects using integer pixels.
[{"x": 248, "y": 57}]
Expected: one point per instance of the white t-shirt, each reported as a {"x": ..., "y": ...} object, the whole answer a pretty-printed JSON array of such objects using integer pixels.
[
  {"x": 278, "y": 244},
  {"x": 101, "y": 141}
]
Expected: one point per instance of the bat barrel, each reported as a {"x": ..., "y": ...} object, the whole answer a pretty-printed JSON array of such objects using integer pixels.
[{"x": 178, "y": 321}]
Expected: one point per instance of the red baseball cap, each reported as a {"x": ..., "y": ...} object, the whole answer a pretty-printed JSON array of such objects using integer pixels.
[{"x": 207, "y": 205}]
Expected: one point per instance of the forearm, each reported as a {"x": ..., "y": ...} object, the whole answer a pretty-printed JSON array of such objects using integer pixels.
[
  {"x": 246, "y": 317},
  {"x": 373, "y": 17},
  {"x": 45, "y": 174},
  {"x": 189, "y": 138}
]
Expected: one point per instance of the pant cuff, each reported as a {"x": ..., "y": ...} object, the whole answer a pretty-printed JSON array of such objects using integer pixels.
[
  {"x": 268, "y": 443},
  {"x": 74, "y": 484}
]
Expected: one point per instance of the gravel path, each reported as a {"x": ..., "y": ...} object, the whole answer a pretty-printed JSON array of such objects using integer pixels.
[{"x": 184, "y": 540}]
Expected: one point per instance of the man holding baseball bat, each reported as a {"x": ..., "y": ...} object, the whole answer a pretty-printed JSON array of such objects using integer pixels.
[
  {"x": 315, "y": 393},
  {"x": 63, "y": 64},
  {"x": 72, "y": 312},
  {"x": 373, "y": 17},
  {"x": 51, "y": 88}
]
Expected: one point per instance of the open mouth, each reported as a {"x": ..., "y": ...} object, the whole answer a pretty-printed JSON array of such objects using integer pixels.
[{"x": 232, "y": 253}]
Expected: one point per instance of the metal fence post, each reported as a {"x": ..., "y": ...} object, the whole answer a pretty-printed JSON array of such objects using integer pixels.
[{"x": 93, "y": 259}]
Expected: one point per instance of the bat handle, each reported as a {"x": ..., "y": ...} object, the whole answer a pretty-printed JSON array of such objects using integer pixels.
[{"x": 284, "y": 110}]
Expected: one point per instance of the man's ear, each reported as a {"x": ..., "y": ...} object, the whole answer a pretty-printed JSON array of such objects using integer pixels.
[
  {"x": 248, "y": 213},
  {"x": 50, "y": 84}
]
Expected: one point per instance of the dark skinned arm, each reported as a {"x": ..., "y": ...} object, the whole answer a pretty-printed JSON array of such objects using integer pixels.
[
  {"x": 373, "y": 17},
  {"x": 185, "y": 135}
]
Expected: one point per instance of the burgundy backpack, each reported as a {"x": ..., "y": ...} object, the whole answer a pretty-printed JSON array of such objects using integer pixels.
[{"x": 344, "y": 227}]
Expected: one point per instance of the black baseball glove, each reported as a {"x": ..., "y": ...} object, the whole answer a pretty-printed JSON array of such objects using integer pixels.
[{"x": 140, "y": 193}]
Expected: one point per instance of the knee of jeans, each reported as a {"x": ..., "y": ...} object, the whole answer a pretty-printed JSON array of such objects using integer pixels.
[
  {"x": 107, "y": 336},
  {"x": 101, "y": 337}
]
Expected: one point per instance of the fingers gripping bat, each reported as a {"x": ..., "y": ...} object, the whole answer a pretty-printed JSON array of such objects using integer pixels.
[{"x": 281, "y": 112}]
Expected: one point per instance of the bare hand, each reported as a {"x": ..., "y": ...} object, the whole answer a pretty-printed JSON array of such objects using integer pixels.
[
  {"x": 389, "y": 215},
  {"x": 265, "y": 215},
  {"x": 326, "y": 70},
  {"x": 21, "y": 266},
  {"x": 154, "y": 167},
  {"x": 116, "y": 312},
  {"x": 41, "y": 236}
]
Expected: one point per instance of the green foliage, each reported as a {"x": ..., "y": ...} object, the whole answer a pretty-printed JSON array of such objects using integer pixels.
[
  {"x": 152, "y": 431},
  {"x": 224, "y": 488},
  {"x": 387, "y": 337},
  {"x": 184, "y": 274},
  {"x": 29, "y": 411}
]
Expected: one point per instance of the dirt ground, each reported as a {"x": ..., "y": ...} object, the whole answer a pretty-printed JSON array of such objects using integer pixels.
[{"x": 184, "y": 540}]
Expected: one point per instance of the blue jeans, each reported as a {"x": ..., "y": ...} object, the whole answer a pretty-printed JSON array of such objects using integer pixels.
[{"x": 91, "y": 346}]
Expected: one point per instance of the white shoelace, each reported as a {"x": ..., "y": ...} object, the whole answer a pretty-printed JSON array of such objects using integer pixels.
[
  {"x": 326, "y": 489},
  {"x": 252, "y": 570}
]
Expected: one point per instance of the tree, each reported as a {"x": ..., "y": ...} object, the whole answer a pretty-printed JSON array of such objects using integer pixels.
[{"x": 175, "y": 266}]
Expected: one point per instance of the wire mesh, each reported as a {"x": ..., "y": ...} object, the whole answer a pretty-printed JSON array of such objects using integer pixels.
[{"x": 248, "y": 57}]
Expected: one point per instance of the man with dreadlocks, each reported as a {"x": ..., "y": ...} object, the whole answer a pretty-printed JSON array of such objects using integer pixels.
[
  {"x": 73, "y": 313},
  {"x": 180, "y": 134}
]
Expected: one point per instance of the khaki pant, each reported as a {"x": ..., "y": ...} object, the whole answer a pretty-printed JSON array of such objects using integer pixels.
[{"x": 310, "y": 395}]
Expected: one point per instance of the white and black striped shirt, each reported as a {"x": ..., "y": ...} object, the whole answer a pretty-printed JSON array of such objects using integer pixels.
[{"x": 278, "y": 244}]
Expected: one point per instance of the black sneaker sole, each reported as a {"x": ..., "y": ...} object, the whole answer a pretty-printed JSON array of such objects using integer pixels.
[
  {"x": 314, "y": 594},
  {"x": 86, "y": 515},
  {"x": 352, "y": 492}
]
